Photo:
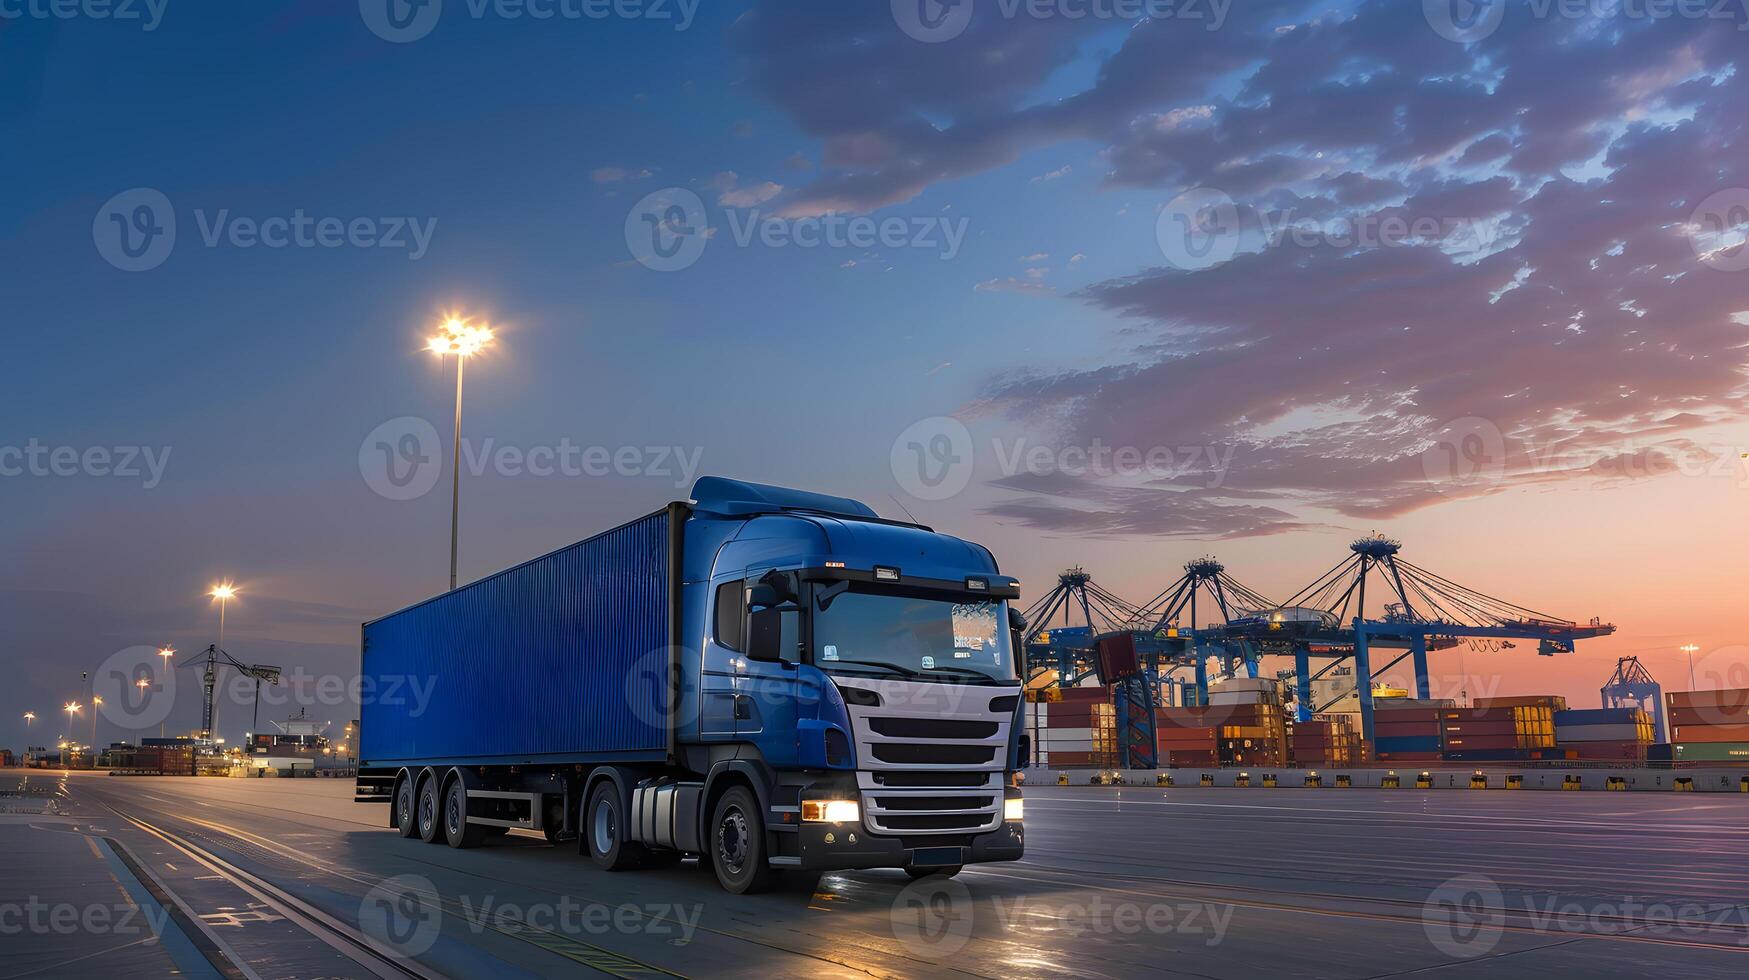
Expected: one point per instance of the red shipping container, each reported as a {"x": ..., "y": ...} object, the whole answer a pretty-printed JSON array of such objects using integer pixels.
[
  {"x": 1479, "y": 728},
  {"x": 1407, "y": 714},
  {"x": 1085, "y": 695},
  {"x": 1632, "y": 751},
  {"x": 1710, "y": 733},
  {"x": 1724, "y": 715},
  {"x": 1481, "y": 742},
  {"x": 1737, "y": 698},
  {"x": 1410, "y": 757},
  {"x": 1552, "y": 701},
  {"x": 1393, "y": 730}
]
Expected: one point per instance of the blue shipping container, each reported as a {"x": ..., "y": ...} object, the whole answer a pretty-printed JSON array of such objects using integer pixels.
[
  {"x": 1597, "y": 716},
  {"x": 1409, "y": 743},
  {"x": 564, "y": 658}
]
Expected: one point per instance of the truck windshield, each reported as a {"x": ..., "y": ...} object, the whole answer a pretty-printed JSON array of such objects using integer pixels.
[{"x": 938, "y": 639}]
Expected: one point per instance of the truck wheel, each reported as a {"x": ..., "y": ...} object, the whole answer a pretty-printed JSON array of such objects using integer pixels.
[
  {"x": 737, "y": 844},
  {"x": 604, "y": 831},
  {"x": 457, "y": 832},
  {"x": 405, "y": 821},
  {"x": 430, "y": 823},
  {"x": 943, "y": 872}
]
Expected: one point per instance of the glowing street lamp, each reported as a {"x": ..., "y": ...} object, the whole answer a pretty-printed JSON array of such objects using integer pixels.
[
  {"x": 1691, "y": 650},
  {"x": 29, "y": 716},
  {"x": 223, "y": 592},
  {"x": 96, "y": 702},
  {"x": 464, "y": 340}
]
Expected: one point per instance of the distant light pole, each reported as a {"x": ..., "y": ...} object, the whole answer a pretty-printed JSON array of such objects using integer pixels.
[
  {"x": 1690, "y": 649},
  {"x": 166, "y": 651},
  {"x": 464, "y": 340},
  {"x": 95, "y": 703},
  {"x": 72, "y": 709},
  {"x": 224, "y": 592}
]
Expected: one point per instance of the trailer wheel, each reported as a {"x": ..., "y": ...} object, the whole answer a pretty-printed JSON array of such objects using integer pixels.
[
  {"x": 430, "y": 824},
  {"x": 457, "y": 832},
  {"x": 405, "y": 822},
  {"x": 604, "y": 831},
  {"x": 737, "y": 844}
]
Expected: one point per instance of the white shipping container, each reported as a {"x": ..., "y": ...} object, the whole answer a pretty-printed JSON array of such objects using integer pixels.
[{"x": 1053, "y": 736}]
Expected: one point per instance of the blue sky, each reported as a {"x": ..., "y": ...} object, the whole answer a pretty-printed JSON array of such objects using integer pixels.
[{"x": 1588, "y": 341}]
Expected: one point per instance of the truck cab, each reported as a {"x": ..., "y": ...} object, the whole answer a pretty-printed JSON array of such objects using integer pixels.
[{"x": 870, "y": 665}]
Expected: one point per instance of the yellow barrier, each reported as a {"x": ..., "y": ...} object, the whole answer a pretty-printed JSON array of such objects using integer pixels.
[
  {"x": 1478, "y": 781},
  {"x": 1163, "y": 779},
  {"x": 1743, "y": 787},
  {"x": 1244, "y": 779},
  {"x": 1268, "y": 780},
  {"x": 1424, "y": 781},
  {"x": 1062, "y": 779},
  {"x": 1393, "y": 781},
  {"x": 1208, "y": 779},
  {"x": 1683, "y": 784},
  {"x": 1616, "y": 782},
  {"x": 1571, "y": 781},
  {"x": 1314, "y": 780},
  {"x": 1344, "y": 782},
  {"x": 1514, "y": 782}
]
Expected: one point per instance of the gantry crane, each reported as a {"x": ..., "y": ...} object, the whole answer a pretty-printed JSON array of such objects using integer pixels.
[
  {"x": 211, "y": 660},
  {"x": 1632, "y": 686}
]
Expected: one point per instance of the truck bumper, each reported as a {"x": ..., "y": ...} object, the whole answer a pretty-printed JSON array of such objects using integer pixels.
[{"x": 846, "y": 846}]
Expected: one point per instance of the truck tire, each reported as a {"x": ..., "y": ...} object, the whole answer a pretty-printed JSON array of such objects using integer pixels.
[
  {"x": 943, "y": 872},
  {"x": 604, "y": 831},
  {"x": 457, "y": 832},
  {"x": 430, "y": 812},
  {"x": 405, "y": 821},
  {"x": 737, "y": 844}
]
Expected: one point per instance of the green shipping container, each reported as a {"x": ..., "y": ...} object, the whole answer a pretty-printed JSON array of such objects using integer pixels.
[{"x": 1712, "y": 752}]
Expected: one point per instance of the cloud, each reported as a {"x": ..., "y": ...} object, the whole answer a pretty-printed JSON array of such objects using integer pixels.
[
  {"x": 734, "y": 195},
  {"x": 1029, "y": 286},
  {"x": 1062, "y": 171}
]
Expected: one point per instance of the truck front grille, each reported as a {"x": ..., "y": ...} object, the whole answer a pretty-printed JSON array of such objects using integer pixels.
[{"x": 930, "y": 757}]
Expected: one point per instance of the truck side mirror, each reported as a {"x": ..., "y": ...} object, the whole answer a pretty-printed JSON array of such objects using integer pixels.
[
  {"x": 762, "y": 596},
  {"x": 1016, "y": 620}
]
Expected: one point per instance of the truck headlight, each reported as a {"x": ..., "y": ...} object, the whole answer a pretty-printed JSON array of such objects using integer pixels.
[
  {"x": 831, "y": 811},
  {"x": 1012, "y": 808}
]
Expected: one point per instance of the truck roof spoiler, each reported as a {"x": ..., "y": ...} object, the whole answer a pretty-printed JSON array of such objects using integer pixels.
[{"x": 720, "y": 495}]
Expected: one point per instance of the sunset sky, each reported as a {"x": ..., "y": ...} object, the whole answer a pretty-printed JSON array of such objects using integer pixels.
[{"x": 1304, "y": 269}]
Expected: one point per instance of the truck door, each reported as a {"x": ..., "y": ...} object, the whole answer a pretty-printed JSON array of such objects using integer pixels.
[
  {"x": 766, "y": 702},
  {"x": 722, "y": 661}
]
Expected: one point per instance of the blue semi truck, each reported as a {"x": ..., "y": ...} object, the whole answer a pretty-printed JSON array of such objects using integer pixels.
[{"x": 767, "y": 678}]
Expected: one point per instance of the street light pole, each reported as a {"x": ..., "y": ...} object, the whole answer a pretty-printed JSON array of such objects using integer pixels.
[
  {"x": 166, "y": 652},
  {"x": 1690, "y": 649},
  {"x": 455, "y": 473},
  {"x": 463, "y": 339}
]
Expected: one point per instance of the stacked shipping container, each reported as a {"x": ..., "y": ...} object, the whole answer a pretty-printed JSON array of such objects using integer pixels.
[
  {"x": 1078, "y": 731},
  {"x": 1489, "y": 734},
  {"x": 1709, "y": 726},
  {"x": 1406, "y": 730},
  {"x": 1605, "y": 734},
  {"x": 1243, "y": 725},
  {"x": 1329, "y": 741}
]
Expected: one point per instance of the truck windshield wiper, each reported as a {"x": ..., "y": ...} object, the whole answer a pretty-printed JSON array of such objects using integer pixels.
[
  {"x": 967, "y": 671},
  {"x": 895, "y": 668}
]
